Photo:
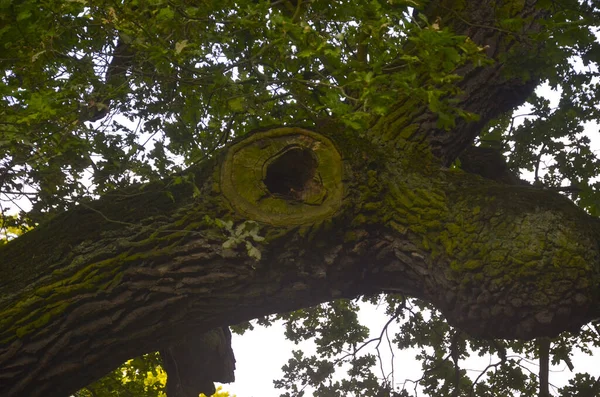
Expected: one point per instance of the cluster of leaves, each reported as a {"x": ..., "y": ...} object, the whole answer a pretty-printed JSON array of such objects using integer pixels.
[
  {"x": 245, "y": 233},
  {"x": 10, "y": 229},
  {"x": 142, "y": 376},
  {"x": 337, "y": 334},
  {"x": 342, "y": 344},
  {"x": 170, "y": 82}
]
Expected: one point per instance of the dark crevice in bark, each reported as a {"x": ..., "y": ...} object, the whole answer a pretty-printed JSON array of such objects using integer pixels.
[{"x": 290, "y": 173}]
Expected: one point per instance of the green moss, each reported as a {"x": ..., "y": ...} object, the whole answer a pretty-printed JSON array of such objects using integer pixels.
[
  {"x": 51, "y": 299},
  {"x": 472, "y": 264},
  {"x": 359, "y": 220},
  {"x": 242, "y": 177},
  {"x": 425, "y": 243},
  {"x": 472, "y": 229},
  {"x": 372, "y": 206},
  {"x": 402, "y": 229},
  {"x": 350, "y": 237}
]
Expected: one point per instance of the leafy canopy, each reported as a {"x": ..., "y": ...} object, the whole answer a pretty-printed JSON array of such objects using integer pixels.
[
  {"x": 171, "y": 82},
  {"x": 96, "y": 95}
]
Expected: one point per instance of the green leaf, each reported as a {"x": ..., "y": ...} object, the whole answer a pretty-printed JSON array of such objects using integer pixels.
[
  {"x": 236, "y": 104},
  {"x": 165, "y": 14},
  {"x": 180, "y": 45},
  {"x": 22, "y": 15},
  {"x": 253, "y": 252}
]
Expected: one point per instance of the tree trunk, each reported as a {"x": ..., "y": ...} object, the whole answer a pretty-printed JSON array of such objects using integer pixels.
[{"x": 292, "y": 217}]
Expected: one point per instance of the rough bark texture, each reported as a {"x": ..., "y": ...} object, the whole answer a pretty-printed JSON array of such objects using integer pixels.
[
  {"x": 498, "y": 261},
  {"x": 289, "y": 218},
  {"x": 487, "y": 91}
]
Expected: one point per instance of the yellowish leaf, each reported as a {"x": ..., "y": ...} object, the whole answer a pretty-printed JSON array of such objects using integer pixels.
[{"x": 180, "y": 45}]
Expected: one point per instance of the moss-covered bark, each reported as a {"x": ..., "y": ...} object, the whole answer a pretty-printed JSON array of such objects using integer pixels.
[
  {"x": 487, "y": 90},
  {"x": 291, "y": 217},
  {"x": 498, "y": 261}
]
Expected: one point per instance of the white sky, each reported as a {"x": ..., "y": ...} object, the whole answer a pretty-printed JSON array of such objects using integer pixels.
[{"x": 261, "y": 353}]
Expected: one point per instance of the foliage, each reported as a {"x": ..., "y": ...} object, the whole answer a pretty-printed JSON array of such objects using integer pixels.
[
  {"x": 342, "y": 344},
  {"x": 195, "y": 77},
  {"x": 245, "y": 233},
  {"x": 10, "y": 230},
  {"x": 141, "y": 376},
  {"x": 99, "y": 94},
  {"x": 551, "y": 141}
]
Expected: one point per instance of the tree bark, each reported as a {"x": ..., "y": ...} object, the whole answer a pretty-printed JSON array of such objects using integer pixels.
[
  {"x": 136, "y": 271},
  {"x": 290, "y": 217},
  {"x": 487, "y": 91}
]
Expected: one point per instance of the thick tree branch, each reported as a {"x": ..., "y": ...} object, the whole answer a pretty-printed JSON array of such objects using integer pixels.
[
  {"x": 488, "y": 90},
  {"x": 82, "y": 294}
]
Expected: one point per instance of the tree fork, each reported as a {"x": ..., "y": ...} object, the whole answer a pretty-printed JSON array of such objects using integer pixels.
[
  {"x": 487, "y": 91},
  {"x": 339, "y": 217}
]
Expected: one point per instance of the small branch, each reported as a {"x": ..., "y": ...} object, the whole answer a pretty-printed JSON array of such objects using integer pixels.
[
  {"x": 544, "y": 354},
  {"x": 105, "y": 217},
  {"x": 454, "y": 351}
]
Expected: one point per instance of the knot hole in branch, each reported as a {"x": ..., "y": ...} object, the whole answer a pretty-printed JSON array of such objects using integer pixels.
[
  {"x": 291, "y": 174},
  {"x": 283, "y": 176}
]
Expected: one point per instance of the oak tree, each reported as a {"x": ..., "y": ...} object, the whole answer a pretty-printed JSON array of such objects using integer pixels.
[{"x": 186, "y": 166}]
